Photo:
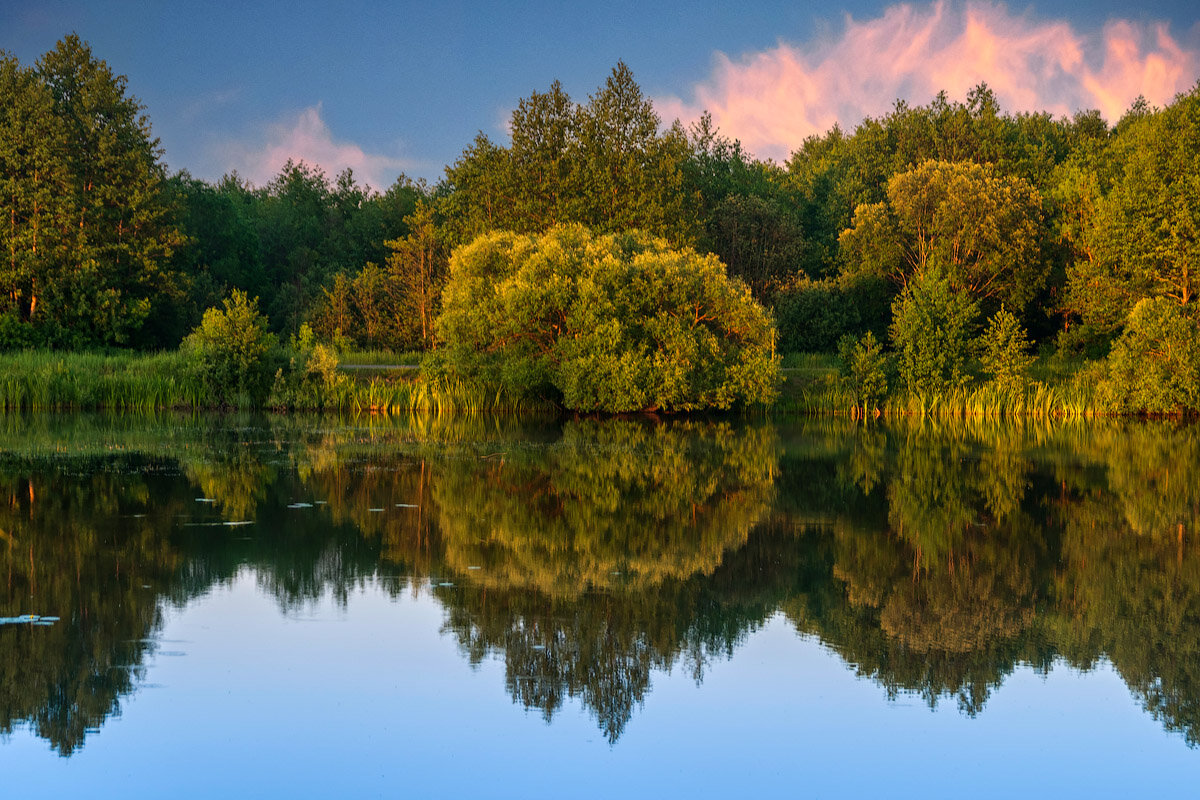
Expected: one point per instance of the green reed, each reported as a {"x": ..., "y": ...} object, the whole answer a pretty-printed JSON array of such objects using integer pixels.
[{"x": 46, "y": 380}]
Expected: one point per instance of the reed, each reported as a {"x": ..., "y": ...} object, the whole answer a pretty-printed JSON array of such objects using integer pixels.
[
  {"x": 439, "y": 396},
  {"x": 46, "y": 380},
  {"x": 357, "y": 358},
  {"x": 829, "y": 395}
]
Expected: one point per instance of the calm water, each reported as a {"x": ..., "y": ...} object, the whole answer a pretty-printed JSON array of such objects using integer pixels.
[{"x": 273, "y": 607}]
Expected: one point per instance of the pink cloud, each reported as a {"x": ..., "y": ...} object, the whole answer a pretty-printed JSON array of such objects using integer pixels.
[
  {"x": 772, "y": 100},
  {"x": 306, "y": 137}
]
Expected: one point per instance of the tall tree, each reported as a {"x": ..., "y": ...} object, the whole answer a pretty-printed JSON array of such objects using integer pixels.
[
  {"x": 982, "y": 229},
  {"x": 1144, "y": 233},
  {"x": 105, "y": 285},
  {"x": 604, "y": 164},
  {"x": 34, "y": 196},
  {"x": 418, "y": 266}
]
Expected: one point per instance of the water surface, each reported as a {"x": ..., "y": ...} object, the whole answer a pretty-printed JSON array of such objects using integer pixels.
[{"x": 581, "y": 608}]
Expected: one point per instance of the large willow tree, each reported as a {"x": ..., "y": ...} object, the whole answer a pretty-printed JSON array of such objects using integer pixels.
[{"x": 612, "y": 323}]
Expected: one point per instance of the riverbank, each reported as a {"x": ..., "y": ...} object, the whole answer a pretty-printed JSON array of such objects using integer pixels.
[
  {"x": 378, "y": 382},
  {"x": 38, "y": 380}
]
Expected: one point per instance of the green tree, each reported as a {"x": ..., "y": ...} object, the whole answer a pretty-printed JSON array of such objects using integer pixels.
[
  {"x": 228, "y": 351},
  {"x": 418, "y": 264},
  {"x": 1005, "y": 351},
  {"x": 605, "y": 323},
  {"x": 981, "y": 228},
  {"x": 88, "y": 234},
  {"x": 864, "y": 368},
  {"x": 932, "y": 331},
  {"x": 34, "y": 198},
  {"x": 1137, "y": 226},
  {"x": 1154, "y": 366},
  {"x": 603, "y": 164},
  {"x": 104, "y": 288},
  {"x": 758, "y": 240}
]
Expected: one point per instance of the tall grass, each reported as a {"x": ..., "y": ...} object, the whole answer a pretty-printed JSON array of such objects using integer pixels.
[
  {"x": 45, "y": 380},
  {"x": 358, "y": 358},
  {"x": 1073, "y": 399},
  {"x": 446, "y": 396}
]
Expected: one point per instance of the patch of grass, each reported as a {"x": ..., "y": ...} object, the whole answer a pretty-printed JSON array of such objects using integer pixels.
[
  {"x": 356, "y": 358},
  {"x": 812, "y": 362},
  {"x": 46, "y": 380},
  {"x": 420, "y": 395}
]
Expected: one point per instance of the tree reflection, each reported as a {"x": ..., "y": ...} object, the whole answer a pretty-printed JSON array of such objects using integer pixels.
[
  {"x": 612, "y": 504},
  {"x": 589, "y": 555},
  {"x": 86, "y": 548},
  {"x": 602, "y": 647}
]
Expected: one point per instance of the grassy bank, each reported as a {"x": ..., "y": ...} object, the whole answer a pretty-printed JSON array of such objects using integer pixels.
[
  {"x": 55, "y": 381},
  {"x": 1055, "y": 390},
  {"x": 44, "y": 380}
]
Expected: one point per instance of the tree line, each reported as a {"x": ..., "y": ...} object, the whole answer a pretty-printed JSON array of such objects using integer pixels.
[{"x": 1065, "y": 223}]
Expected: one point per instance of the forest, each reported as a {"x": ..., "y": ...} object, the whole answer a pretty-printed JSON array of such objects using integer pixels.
[{"x": 935, "y": 247}]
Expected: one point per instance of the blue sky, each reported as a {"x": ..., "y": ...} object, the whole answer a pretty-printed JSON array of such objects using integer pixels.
[{"x": 391, "y": 87}]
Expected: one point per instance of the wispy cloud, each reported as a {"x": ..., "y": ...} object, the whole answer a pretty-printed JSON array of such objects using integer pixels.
[
  {"x": 772, "y": 100},
  {"x": 306, "y": 137}
]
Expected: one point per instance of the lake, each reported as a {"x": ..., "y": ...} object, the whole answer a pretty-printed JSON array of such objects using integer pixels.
[{"x": 289, "y": 606}]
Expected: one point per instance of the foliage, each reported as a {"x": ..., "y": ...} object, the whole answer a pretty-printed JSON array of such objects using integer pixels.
[
  {"x": 864, "y": 368},
  {"x": 604, "y": 164},
  {"x": 1004, "y": 351},
  {"x": 87, "y": 235},
  {"x": 228, "y": 353},
  {"x": 310, "y": 379},
  {"x": 1154, "y": 366},
  {"x": 43, "y": 380},
  {"x": 932, "y": 330},
  {"x": 604, "y": 323},
  {"x": 1137, "y": 226},
  {"x": 417, "y": 265},
  {"x": 814, "y": 315},
  {"x": 981, "y": 228}
]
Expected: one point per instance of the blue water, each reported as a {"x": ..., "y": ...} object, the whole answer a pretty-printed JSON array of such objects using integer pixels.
[{"x": 317, "y": 656}]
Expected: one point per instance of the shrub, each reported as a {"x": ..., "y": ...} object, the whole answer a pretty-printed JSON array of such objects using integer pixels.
[
  {"x": 932, "y": 326},
  {"x": 864, "y": 369},
  {"x": 610, "y": 323},
  {"x": 228, "y": 352},
  {"x": 310, "y": 379},
  {"x": 1154, "y": 366},
  {"x": 1005, "y": 351}
]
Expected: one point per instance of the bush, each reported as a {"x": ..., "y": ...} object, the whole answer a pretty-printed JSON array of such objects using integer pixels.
[
  {"x": 1154, "y": 366},
  {"x": 932, "y": 327},
  {"x": 310, "y": 379},
  {"x": 228, "y": 352},
  {"x": 604, "y": 323},
  {"x": 864, "y": 369},
  {"x": 1005, "y": 352}
]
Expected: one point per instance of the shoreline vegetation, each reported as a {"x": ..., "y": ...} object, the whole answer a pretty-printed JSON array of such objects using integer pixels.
[
  {"x": 947, "y": 259},
  {"x": 394, "y": 384}
]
